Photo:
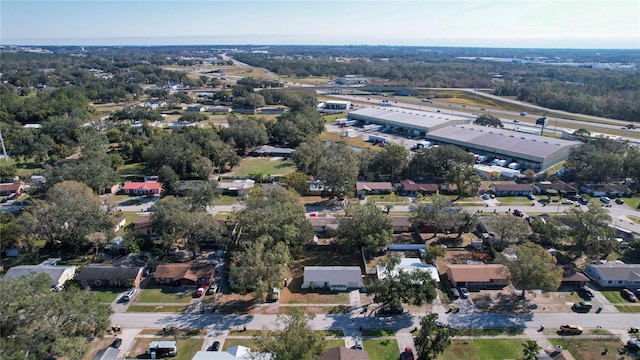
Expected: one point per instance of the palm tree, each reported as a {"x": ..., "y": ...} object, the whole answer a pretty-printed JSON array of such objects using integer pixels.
[{"x": 530, "y": 349}]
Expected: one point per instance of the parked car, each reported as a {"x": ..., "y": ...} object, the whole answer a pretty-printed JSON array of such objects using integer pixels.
[
  {"x": 584, "y": 291},
  {"x": 116, "y": 343},
  {"x": 389, "y": 311},
  {"x": 409, "y": 352},
  {"x": 518, "y": 213},
  {"x": 633, "y": 345},
  {"x": 570, "y": 329},
  {"x": 440, "y": 324},
  {"x": 629, "y": 295},
  {"x": 531, "y": 197},
  {"x": 454, "y": 293},
  {"x": 464, "y": 293},
  {"x": 605, "y": 200},
  {"x": 582, "y": 306},
  {"x": 201, "y": 290},
  {"x": 486, "y": 197},
  {"x": 567, "y": 202},
  {"x": 215, "y": 346},
  {"x": 619, "y": 201},
  {"x": 128, "y": 296},
  {"x": 358, "y": 344}
]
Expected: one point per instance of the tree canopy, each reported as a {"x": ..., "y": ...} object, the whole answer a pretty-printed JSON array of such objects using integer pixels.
[
  {"x": 531, "y": 267},
  {"x": 433, "y": 340},
  {"x": 293, "y": 340},
  {"x": 38, "y": 323},
  {"x": 364, "y": 225}
]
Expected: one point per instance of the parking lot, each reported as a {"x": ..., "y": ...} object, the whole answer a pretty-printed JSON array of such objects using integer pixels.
[{"x": 364, "y": 135}]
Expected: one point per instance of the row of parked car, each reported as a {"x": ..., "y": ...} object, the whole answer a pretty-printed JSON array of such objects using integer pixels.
[{"x": 461, "y": 293}]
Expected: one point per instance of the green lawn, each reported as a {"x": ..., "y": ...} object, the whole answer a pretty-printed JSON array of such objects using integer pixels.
[
  {"x": 165, "y": 295},
  {"x": 628, "y": 308},
  {"x": 589, "y": 349},
  {"x": 506, "y": 200},
  {"x": 250, "y": 343},
  {"x": 132, "y": 169},
  {"x": 483, "y": 349},
  {"x": 264, "y": 166},
  {"x": 334, "y": 343},
  {"x": 613, "y": 296},
  {"x": 129, "y": 217},
  {"x": 153, "y": 308},
  {"x": 107, "y": 295},
  {"x": 633, "y": 202},
  {"x": 188, "y": 348},
  {"x": 225, "y": 200},
  {"x": 381, "y": 349},
  {"x": 378, "y": 333}
]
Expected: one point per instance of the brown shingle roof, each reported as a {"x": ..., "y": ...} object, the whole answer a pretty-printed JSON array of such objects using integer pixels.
[
  {"x": 476, "y": 273},
  {"x": 512, "y": 187},
  {"x": 342, "y": 353},
  {"x": 408, "y": 185},
  {"x": 177, "y": 272},
  {"x": 372, "y": 186}
]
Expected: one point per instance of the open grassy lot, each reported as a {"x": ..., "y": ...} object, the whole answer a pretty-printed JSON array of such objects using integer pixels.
[
  {"x": 156, "y": 308},
  {"x": 589, "y": 349},
  {"x": 132, "y": 169},
  {"x": 633, "y": 202},
  {"x": 187, "y": 348},
  {"x": 386, "y": 349},
  {"x": 331, "y": 343},
  {"x": 483, "y": 349},
  {"x": 165, "y": 294},
  {"x": 613, "y": 296},
  {"x": 106, "y": 295},
  {"x": 264, "y": 166}
]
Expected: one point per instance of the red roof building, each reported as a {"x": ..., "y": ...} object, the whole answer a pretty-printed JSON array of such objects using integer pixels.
[{"x": 142, "y": 188}]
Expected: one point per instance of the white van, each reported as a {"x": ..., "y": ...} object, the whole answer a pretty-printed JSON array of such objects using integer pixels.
[{"x": 129, "y": 295}]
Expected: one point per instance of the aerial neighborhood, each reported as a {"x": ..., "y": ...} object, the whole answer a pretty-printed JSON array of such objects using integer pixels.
[{"x": 237, "y": 203}]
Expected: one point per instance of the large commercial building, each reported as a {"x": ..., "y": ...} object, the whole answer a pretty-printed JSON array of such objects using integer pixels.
[
  {"x": 530, "y": 151},
  {"x": 406, "y": 121}
]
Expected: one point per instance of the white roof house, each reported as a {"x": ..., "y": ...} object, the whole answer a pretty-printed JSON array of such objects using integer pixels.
[
  {"x": 237, "y": 352},
  {"x": 58, "y": 274},
  {"x": 333, "y": 277},
  {"x": 409, "y": 265},
  {"x": 615, "y": 275}
]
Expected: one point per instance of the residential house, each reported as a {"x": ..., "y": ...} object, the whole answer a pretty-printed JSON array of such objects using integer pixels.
[
  {"x": 336, "y": 278},
  {"x": 478, "y": 276},
  {"x": 612, "y": 190},
  {"x": 149, "y": 188},
  {"x": 557, "y": 187},
  {"x": 321, "y": 222},
  {"x": 184, "y": 274},
  {"x": 367, "y": 188},
  {"x": 449, "y": 188},
  {"x": 401, "y": 224},
  {"x": 237, "y": 187},
  {"x": 409, "y": 187},
  {"x": 110, "y": 275},
  {"x": 272, "y": 110},
  {"x": 247, "y": 111},
  {"x": 615, "y": 274},
  {"x": 143, "y": 224},
  {"x": 342, "y": 353},
  {"x": 109, "y": 353},
  {"x": 237, "y": 352},
  {"x": 11, "y": 188},
  {"x": 409, "y": 265},
  {"x": 195, "y": 108},
  {"x": 512, "y": 189},
  {"x": 572, "y": 277},
  {"x": 59, "y": 274},
  {"x": 219, "y": 110},
  {"x": 268, "y": 150}
]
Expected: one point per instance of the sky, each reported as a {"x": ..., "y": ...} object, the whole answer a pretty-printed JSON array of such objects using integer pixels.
[{"x": 603, "y": 24}]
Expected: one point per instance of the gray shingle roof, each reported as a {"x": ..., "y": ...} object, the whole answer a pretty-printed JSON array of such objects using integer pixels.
[
  {"x": 618, "y": 271},
  {"x": 108, "y": 272}
]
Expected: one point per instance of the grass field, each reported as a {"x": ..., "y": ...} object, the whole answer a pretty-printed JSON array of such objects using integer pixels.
[
  {"x": 381, "y": 349},
  {"x": 264, "y": 166},
  {"x": 483, "y": 349},
  {"x": 250, "y": 343},
  {"x": 165, "y": 295},
  {"x": 331, "y": 343},
  {"x": 613, "y": 296},
  {"x": 378, "y": 333},
  {"x": 628, "y": 308},
  {"x": 225, "y": 200},
  {"x": 107, "y": 295},
  {"x": 352, "y": 141},
  {"x": 589, "y": 349},
  {"x": 153, "y": 308},
  {"x": 633, "y": 202},
  {"x": 132, "y": 169}
]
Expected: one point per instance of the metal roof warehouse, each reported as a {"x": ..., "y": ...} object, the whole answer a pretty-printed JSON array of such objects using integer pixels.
[
  {"x": 531, "y": 151},
  {"x": 403, "y": 120}
]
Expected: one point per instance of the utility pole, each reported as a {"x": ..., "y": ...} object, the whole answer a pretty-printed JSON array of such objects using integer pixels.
[{"x": 4, "y": 150}]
